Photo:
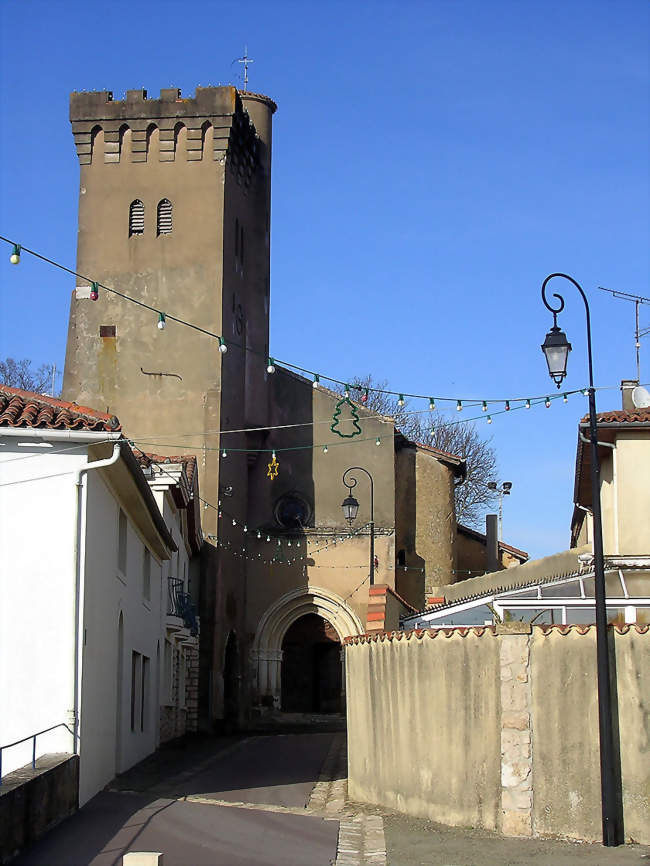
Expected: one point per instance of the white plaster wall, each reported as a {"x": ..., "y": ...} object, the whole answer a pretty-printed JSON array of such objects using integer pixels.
[
  {"x": 107, "y": 594},
  {"x": 36, "y": 594}
]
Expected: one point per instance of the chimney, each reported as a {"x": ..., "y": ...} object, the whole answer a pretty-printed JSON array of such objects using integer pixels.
[
  {"x": 492, "y": 542},
  {"x": 627, "y": 386}
]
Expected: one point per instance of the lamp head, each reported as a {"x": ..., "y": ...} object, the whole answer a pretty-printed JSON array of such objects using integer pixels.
[
  {"x": 556, "y": 350},
  {"x": 350, "y": 508}
]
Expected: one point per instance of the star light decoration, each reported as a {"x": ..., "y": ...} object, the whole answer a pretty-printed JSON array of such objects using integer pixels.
[{"x": 274, "y": 466}]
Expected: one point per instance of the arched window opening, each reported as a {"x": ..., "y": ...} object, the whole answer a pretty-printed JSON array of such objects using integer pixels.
[
  {"x": 125, "y": 142},
  {"x": 96, "y": 142},
  {"x": 152, "y": 141},
  {"x": 207, "y": 138},
  {"x": 180, "y": 141},
  {"x": 136, "y": 218},
  {"x": 401, "y": 557},
  {"x": 164, "y": 221}
]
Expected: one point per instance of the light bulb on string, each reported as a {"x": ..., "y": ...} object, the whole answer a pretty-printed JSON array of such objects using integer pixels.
[
  {"x": 245, "y": 528},
  {"x": 161, "y": 321},
  {"x": 316, "y": 381},
  {"x": 14, "y": 258},
  {"x": 365, "y": 395},
  {"x": 268, "y": 537},
  {"x": 459, "y": 405},
  {"x": 325, "y": 449},
  {"x": 401, "y": 400},
  {"x": 547, "y": 402},
  {"x": 377, "y": 441},
  {"x": 223, "y": 453},
  {"x": 507, "y": 405},
  {"x": 484, "y": 406},
  {"x": 346, "y": 392},
  {"x": 222, "y": 345},
  {"x": 270, "y": 365},
  {"x": 527, "y": 403},
  {"x": 273, "y": 455},
  {"x": 565, "y": 399},
  {"x": 234, "y": 522},
  {"x": 432, "y": 404},
  {"x": 94, "y": 291},
  {"x": 489, "y": 419},
  {"x": 259, "y": 534}
]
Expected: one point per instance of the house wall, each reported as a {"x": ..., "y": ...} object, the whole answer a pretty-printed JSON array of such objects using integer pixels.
[
  {"x": 632, "y": 502},
  {"x": 108, "y": 744},
  {"x": 496, "y": 727},
  {"x": 36, "y": 588}
]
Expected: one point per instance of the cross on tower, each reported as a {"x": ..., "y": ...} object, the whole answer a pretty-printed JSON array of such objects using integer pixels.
[{"x": 245, "y": 60}]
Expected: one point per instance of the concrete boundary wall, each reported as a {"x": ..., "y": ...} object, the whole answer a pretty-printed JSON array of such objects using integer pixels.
[{"x": 497, "y": 727}]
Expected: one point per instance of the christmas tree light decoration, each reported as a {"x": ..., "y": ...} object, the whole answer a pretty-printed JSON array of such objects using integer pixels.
[
  {"x": 223, "y": 453},
  {"x": 222, "y": 345},
  {"x": 565, "y": 399},
  {"x": 489, "y": 419},
  {"x": 547, "y": 402},
  {"x": 527, "y": 404},
  {"x": 354, "y": 418},
  {"x": 270, "y": 365},
  {"x": 401, "y": 400},
  {"x": 316, "y": 381},
  {"x": 459, "y": 405},
  {"x": 484, "y": 406},
  {"x": 507, "y": 405},
  {"x": 14, "y": 258},
  {"x": 432, "y": 404},
  {"x": 94, "y": 291},
  {"x": 161, "y": 321}
]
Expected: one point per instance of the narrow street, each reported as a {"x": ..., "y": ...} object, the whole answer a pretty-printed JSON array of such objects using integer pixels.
[{"x": 236, "y": 801}]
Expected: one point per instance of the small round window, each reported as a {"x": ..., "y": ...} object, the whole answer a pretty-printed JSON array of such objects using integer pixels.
[{"x": 292, "y": 511}]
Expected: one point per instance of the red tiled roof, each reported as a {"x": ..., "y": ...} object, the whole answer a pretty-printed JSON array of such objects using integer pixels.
[
  {"x": 637, "y": 416},
  {"x": 188, "y": 461},
  {"x": 26, "y": 409},
  {"x": 439, "y": 452}
]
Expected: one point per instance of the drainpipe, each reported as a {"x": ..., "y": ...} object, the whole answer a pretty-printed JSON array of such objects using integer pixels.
[{"x": 76, "y": 608}]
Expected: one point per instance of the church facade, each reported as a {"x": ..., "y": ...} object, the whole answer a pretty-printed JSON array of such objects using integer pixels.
[{"x": 174, "y": 212}]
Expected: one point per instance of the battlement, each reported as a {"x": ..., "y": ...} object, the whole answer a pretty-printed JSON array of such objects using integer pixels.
[{"x": 213, "y": 124}]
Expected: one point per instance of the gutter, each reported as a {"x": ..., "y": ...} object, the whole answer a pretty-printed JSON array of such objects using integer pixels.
[{"x": 94, "y": 437}]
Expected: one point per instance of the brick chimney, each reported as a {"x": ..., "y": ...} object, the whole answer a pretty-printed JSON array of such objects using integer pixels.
[{"x": 627, "y": 386}]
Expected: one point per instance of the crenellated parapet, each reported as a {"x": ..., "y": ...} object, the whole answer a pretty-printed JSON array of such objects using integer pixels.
[{"x": 213, "y": 124}]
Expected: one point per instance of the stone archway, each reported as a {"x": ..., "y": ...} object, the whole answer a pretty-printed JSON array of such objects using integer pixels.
[{"x": 266, "y": 654}]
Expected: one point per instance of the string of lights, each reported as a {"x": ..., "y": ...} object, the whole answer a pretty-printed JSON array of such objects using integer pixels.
[{"x": 163, "y": 317}]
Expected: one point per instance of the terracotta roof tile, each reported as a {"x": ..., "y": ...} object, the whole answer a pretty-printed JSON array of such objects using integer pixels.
[
  {"x": 27, "y": 409},
  {"x": 638, "y": 416},
  {"x": 479, "y": 631},
  {"x": 188, "y": 461}
]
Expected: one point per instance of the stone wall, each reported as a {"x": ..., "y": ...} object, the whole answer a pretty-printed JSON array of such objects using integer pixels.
[{"x": 497, "y": 727}]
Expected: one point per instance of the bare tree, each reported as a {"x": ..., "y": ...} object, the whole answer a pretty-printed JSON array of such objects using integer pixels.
[
  {"x": 461, "y": 438},
  {"x": 23, "y": 374}
]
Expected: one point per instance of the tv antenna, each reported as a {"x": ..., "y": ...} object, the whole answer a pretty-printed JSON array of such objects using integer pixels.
[
  {"x": 245, "y": 60},
  {"x": 638, "y": 332}
]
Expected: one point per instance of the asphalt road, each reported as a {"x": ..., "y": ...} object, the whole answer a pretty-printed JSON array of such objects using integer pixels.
[{"x": 276, "y": 770}]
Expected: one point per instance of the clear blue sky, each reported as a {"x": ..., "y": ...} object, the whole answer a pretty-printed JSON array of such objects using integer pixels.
[{"x": 433, "y": 161}]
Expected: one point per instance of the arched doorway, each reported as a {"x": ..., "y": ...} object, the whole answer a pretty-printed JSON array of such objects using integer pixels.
[
  {"x": 266, "y": 654},
  {"x": 311, "y": 667}
]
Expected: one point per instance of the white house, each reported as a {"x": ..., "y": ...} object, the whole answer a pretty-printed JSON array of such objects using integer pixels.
[{"x": 84, "y": 589}]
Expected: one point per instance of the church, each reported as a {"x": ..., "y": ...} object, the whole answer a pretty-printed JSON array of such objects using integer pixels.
[{"x": 175, "y": 214}]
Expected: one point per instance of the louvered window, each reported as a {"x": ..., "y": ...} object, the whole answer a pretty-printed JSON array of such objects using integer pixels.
[
  {"x": 136, "y": 218},
  {"x": 164, "y": 217}
]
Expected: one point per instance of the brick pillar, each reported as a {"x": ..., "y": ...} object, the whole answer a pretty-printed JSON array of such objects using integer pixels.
[{"x": 516, "y": 756}]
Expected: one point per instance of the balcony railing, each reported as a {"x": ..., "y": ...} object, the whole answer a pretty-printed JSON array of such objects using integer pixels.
[{"x": 180, "y": 604}]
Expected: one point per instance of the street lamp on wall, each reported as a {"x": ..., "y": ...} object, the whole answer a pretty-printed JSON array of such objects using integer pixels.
[
  {"x": 351, "y": 508},
  {"x": 556, "y": 350}
]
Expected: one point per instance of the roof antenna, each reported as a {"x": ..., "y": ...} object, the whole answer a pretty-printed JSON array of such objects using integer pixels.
[
  {"x": 245, "y": 60},
  {"x": 638, "y": 332}
]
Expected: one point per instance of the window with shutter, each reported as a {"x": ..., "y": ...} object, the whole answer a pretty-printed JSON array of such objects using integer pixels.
[
  {"x": 164, "y": 217},
  {"x": 136, "y": 218}
]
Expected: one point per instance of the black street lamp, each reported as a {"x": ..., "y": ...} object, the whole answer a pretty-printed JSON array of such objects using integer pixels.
[
  {"x": 556, "y": 348},
  {"x": 351, "y": 509}
]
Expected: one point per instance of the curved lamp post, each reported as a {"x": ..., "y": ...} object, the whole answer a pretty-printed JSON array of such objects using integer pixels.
[
  {"x": 351, "y": 509},
  {"x": 556, "y": 348}
]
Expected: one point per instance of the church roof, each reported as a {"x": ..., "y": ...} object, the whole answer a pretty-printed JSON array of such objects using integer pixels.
[{"x": 19, "y": 408}]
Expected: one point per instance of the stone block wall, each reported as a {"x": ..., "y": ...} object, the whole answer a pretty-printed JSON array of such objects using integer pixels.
[{"x": 497, "y": 727}]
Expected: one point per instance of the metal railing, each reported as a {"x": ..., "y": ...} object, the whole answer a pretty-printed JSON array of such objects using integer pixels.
[
  {"x": 31, "y": 737},
  {"x": 181, "y": 605}
]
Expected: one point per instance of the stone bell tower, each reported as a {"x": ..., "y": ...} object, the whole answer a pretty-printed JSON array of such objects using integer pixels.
[{"x": 174, "y": 211}]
